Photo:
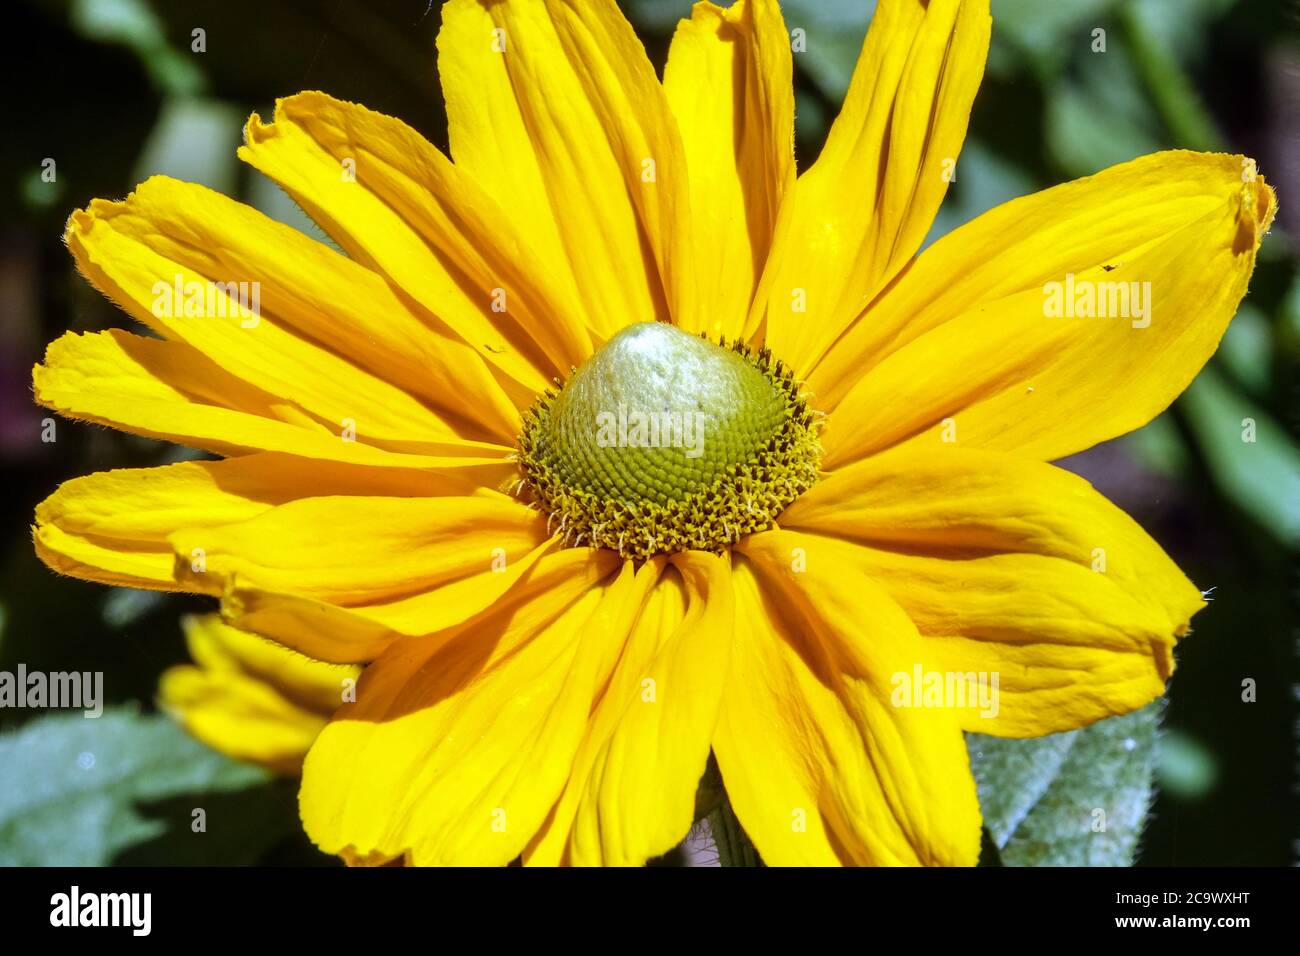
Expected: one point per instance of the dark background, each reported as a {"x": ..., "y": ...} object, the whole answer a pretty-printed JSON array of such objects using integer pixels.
[{"x": 113, "y": 91}]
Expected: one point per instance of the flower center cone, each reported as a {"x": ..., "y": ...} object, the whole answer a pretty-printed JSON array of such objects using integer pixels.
[{"x": 663, "y": 441}]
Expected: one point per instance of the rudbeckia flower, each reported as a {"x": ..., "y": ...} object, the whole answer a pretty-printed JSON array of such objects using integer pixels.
[{"x": 610, "y": 441}]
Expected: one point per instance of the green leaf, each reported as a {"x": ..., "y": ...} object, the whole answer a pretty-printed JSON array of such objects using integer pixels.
[
  {"x": 1043, "y": 33},
  {"x": 833, "y": 31},
  {"x": 657, "y": 15},
  {"x": 134, "y": 25},
  {"x": 1084, "y": 138},
  {"x": 1159, "y": 447},
  {"x": 1072, "y": 799},
  {"x": 1103, "y": 117},
  {"x": 80, "y": 791},
  {"x": 1171, "y": 89},
  {"x": 1246, "y": 350},
  {"x": 1250, "y": 456}
]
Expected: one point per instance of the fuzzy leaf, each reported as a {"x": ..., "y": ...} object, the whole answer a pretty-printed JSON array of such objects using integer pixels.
[
  {"x": 79, "y": 791},
  {"x": 1072, "y": 799}
]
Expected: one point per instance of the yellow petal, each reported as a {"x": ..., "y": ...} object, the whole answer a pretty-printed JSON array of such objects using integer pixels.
[
  {"x": 114, "y": 526},
  {"x": 171, "y": 391},
  {"x": 467, "y": 237},
  {"x": 729, "y": 84},
  {"x": 174, "y": 290},
  {"x": 356, "y": 549},
  {"x": 456, "y": 750},
  {"x": 362, "y": 632},
  {"x": 861, "y": 211},
  {"x": 631, "y": 796},
  {"x": 629, "y": 103},
  {"x": 968, "y": 334},
  {"x": 331, "y": 336},
  {"x": 487, "y": 136},
  {"x": 239, "y": 717},
  {"x": 249, "y": 698},
  {"x": 1013, "y": 568},
  {"x": 820, "y": 766},
  {"x": 315, "y": 686},
  {"x": 344, "y": 198},
  {"x": 556, "y": 112}
]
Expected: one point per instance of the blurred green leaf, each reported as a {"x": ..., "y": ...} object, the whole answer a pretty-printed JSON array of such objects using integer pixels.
[
  {"x": 1044, "y": 33},
  {"x": 660, "y": 15},
  {"x": 1246, "y": 351},
  {"x": 1159, "y": 446},
  {"x": 194, "y": 140},
  {"x": 78, "y": 791},
  {"x": 833, "y": 33},
  {"x": 133, "y": 24},
  {"x": 1250, "y": 456},
  {"x": 1084, "y": 139},
  {"x": 1184, "y": 115},
  {"x": 811, "y": 119},
  {"x": 1288, "y": 330},
  {"x": 1101, "y": 118},
  {"x": 1184, "y": 27},
  {"x": 1073, "y": 799}
]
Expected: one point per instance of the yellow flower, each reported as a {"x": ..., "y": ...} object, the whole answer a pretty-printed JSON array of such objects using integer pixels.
[
  {"x": 251, "y": 698},
  {"x": 527, "y": 694}
]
